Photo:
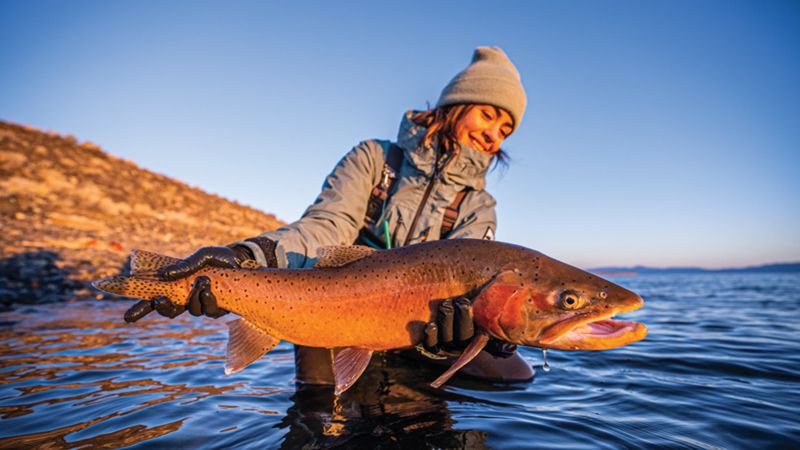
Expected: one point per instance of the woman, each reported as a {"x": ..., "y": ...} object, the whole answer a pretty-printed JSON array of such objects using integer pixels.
[{"x": 428, "y": 185}]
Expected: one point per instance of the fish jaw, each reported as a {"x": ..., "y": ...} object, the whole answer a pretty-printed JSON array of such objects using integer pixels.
[
  {"x": 600, "y": 335},
  {"x": 595, "y": 331}
]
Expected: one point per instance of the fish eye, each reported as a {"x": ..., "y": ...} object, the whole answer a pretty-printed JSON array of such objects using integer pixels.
[
  {"x": 571, "y": 300},
  {"x": 603, "y": 295}
]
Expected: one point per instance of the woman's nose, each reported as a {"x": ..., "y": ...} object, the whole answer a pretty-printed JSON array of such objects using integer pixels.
[{"x": 491, "y": 135}]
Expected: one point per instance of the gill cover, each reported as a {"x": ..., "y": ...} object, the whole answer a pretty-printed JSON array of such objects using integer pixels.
[{"x": 500, "y": 306}]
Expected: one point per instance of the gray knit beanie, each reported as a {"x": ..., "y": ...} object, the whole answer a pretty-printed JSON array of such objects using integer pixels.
[{"x": 490, "y": 79}]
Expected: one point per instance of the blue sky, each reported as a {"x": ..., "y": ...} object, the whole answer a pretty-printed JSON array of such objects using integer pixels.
[{"x": 660, "y": 133}]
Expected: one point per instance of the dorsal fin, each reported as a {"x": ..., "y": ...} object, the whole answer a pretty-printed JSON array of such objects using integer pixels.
[
  {"x": 341, "y": 255},
  {"x": 144, "y": 263}
]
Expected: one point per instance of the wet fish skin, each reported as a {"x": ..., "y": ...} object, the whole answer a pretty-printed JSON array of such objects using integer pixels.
[{"x": 380, "y": 300}]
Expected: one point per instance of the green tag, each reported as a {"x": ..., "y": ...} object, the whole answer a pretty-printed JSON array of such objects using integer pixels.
[{"x": 386, "y": 234}]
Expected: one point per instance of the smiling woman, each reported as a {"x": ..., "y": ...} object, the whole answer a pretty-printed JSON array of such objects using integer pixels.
[{"x": 427, "y": 185}]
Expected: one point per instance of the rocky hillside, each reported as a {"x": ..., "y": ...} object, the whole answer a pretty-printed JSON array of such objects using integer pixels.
[{"x": 71, "y": 213}]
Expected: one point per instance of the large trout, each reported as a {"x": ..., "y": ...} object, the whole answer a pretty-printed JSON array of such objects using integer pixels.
[{"x": 361, "y": 300}]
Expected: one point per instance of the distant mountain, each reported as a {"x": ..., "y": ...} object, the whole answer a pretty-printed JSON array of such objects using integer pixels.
[
  {"x": 71, "y": 213},
  {"x": 766, "y": 268}
]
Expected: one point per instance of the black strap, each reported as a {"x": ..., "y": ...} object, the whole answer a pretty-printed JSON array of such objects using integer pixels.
[
  {"x": 451, "y": 214},
  {"x": 381, "y": 191}
]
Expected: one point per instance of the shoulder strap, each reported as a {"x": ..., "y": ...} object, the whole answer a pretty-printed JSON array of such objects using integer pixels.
[
  {"x": 451, "y": 214},
  {"x": 379, "y": 194}
]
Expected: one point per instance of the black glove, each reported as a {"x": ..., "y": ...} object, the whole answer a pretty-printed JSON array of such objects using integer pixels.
[
  {"x": 226, "y": 257},
  {"x": 201, "y": 300},
  {"x": 201, "y": 303},
  {"x": 454, "y": 328}
]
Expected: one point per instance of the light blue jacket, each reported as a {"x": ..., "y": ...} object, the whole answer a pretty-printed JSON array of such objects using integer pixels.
[{"x": 337, "y": 215}]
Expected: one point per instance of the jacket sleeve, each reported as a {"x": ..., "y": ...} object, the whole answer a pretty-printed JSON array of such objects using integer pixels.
[
  {"x": 337, "y": 215},
  {"x": 477, "y": 217}
]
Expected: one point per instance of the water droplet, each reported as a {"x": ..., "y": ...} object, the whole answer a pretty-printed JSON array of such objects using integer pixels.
[{"x": 546, "y": 365}]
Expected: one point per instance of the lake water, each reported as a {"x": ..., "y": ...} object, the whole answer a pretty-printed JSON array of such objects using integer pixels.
[{"x": 719, "y": 369}]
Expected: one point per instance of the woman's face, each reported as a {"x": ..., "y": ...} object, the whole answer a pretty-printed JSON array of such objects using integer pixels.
[{"x": 484, "y": 128}]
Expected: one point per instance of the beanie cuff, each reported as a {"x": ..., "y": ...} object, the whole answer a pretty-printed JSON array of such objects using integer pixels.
[{"x": 503, "y": 94}]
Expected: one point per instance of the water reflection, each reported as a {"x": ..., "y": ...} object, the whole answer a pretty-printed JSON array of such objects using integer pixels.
[
  {"x": 72, "y": 368},
  {"x": 391, "y": 406},
  {"x": 74, "y": 375}
]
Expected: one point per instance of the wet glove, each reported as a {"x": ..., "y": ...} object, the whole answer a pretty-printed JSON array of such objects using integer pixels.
[
  {"x": 201, "y": 300},
  {"x": 454, "y": 328}
]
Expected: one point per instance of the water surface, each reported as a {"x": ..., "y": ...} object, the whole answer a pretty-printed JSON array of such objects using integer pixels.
[{"x": 719, "y": 369}]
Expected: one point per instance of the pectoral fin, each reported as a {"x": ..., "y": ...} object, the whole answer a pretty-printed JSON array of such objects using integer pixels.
[
  {"x": 475, "y": 346},
  {"x": 348, "y": 365},
  {"x": 246, "y": 343}
]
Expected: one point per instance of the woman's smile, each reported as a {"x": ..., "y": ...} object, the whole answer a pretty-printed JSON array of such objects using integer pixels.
[{"x": 478, "y": 145}]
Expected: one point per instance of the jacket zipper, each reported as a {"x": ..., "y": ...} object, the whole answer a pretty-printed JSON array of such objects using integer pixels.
[{"x": 426, "y": 194}]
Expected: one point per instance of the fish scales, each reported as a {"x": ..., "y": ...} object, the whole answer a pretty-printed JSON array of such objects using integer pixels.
[{"x": 380, "y": 302}]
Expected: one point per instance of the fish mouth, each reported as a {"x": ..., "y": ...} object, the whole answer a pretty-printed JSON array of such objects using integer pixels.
[{"x": 595, "y": 331}]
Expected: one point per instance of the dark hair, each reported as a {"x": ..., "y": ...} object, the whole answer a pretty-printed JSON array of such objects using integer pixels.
[
  {"x": 501, "y": 159},
  {"x": 441, "y": 123}
]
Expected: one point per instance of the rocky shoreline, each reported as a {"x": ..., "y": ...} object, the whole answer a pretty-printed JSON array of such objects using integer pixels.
[{"x": 71, "y": 213}]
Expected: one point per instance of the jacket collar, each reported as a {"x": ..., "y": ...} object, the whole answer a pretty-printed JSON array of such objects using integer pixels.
[{"x": 468, "y": 169}]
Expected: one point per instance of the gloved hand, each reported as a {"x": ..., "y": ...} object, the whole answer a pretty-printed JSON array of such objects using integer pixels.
[
  {"x": 226, "y": 257},
  {"x": 454, "y": 328},
  {"x": 201, "y": 300}
]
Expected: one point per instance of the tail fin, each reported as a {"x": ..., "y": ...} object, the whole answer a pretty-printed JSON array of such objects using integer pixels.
[
  {"x": 143, "y": 288},
  {"x": 143, "y": 282}
]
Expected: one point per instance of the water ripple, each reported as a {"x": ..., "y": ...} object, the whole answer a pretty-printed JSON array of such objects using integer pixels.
[{"x": 720, "y": 369}]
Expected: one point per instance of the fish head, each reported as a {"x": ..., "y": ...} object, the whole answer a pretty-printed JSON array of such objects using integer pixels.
[{"x": 550, "y": 304}]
